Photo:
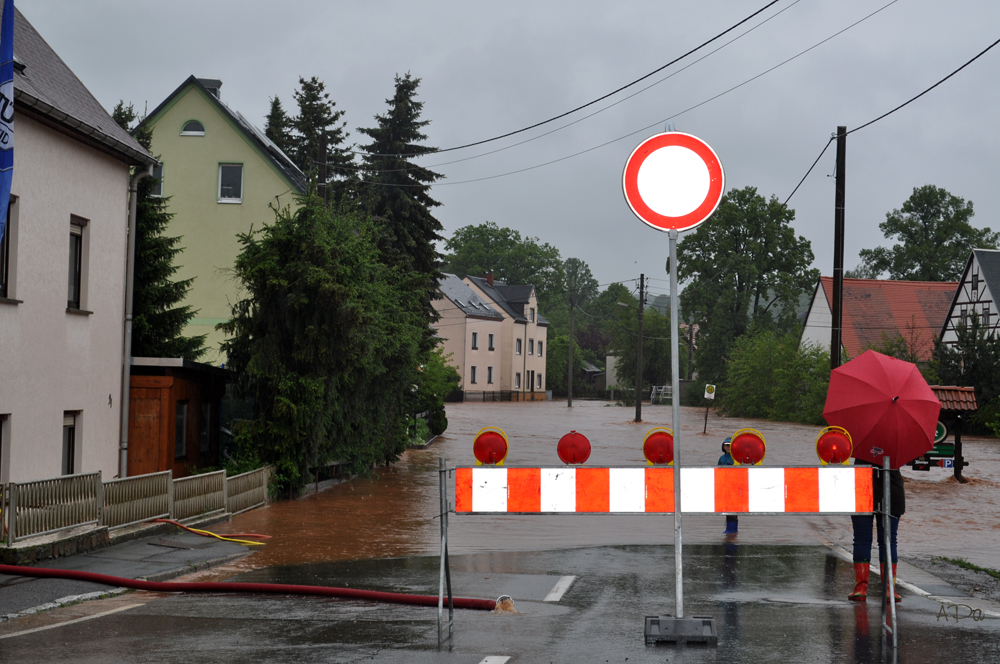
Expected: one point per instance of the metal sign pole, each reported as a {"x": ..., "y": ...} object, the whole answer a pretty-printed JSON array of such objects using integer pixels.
[{"x": 675, "y": 374}]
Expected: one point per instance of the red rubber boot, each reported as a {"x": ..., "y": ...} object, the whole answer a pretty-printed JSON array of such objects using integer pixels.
[{"x": 861, "y": 573}]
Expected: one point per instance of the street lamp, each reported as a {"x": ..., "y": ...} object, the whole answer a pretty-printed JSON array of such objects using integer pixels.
[{"x": 638, "y": 363}]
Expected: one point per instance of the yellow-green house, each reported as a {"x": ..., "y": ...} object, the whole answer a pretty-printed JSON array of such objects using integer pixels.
[{"x": 223, "y": 177}]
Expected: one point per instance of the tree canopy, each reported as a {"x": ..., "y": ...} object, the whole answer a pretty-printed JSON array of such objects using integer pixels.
[
  {"x": 744, "y": 265},
  {"x": 158, "y": 318},
  {"x": 935, "y": 238},
  {"x": 513, "y": 259}
]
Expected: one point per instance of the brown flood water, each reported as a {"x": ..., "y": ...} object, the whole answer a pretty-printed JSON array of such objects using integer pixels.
[{"x": 391, "y": 513}]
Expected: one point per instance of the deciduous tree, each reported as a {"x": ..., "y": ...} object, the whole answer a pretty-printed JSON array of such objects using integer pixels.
[{"x": 935, "y": 238}]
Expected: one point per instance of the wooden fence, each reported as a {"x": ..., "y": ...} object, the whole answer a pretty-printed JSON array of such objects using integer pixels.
[{"x": 32, "y": 509}]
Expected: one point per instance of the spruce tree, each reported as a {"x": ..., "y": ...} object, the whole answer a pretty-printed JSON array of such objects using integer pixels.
[
  {"x": 278, "y": 125},
  {"x": 319, "y": 122},
  {"x": 157, "y": 322},
  {"x": 397, "y": 191}
]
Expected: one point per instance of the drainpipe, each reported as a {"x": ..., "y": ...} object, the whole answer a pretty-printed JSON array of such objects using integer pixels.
[{"x": 133, "y": 190}]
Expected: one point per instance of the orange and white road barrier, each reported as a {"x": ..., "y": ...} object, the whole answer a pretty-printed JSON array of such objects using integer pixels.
[{"x": 732, "y": 490}]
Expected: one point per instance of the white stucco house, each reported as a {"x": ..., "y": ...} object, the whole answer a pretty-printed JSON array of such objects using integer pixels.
[
  {"x": 470, "y": 330},
  {"x": 62, "y": 273}
]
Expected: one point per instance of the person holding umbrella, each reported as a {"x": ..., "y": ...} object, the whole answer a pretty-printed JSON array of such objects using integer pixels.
[{"x": 891, "y": 414}]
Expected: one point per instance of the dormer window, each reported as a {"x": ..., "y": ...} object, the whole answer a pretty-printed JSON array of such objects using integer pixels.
[{"x": 193, "y": 128}]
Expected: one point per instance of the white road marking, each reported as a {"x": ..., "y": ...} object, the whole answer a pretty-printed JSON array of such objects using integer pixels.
[
  {"x": 495, "y": 659},
  {"x": 558, "y": 590},
  {"x": 69, "y": 622}
]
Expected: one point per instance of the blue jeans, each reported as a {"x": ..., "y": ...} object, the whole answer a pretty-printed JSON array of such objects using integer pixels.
[{"x": 863, "y": 537}]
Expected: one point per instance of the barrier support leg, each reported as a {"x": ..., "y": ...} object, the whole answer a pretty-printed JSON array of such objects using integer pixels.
[
  {"x": 444, "y": 579},
  {"x": 888, "y": 583}
]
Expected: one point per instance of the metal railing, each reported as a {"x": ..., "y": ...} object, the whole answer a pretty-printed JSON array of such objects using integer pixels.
[
  {"x": 199, "y": 494},
  {"x": 31, "y": 509},
  {"x": 246, "y": 491},
  {"x": 131, "y": 500},
  {"x": 45, "y": 506}
]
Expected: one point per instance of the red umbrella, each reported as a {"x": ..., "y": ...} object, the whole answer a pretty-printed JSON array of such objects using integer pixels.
[{"x": 887, "y": 407}]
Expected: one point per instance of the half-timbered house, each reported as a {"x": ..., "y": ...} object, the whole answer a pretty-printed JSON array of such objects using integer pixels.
[{"x": 977, "y": 293}]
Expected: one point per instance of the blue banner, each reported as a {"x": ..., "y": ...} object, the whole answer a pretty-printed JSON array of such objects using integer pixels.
[{"x": 6, "y": 109}]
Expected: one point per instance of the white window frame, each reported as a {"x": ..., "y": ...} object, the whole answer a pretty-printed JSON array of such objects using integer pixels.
[
  {"x": 491, "y": 342},
  {"x": 489, "y": 375},
  {"x": 517, "y": 380},
  {"x": 157, "y": 191},
  {"x": 531, "y": 346},
  {"x": 218, "y": 186},
  {"x": 71, "y": 447},
  {"x": 475, "y": 341},
  {"x": 80, "y": 227},
  {"x": 539, "y": 348},
  {"x": 538, "y": 380},
  {"x": 192, "y": 133},
  {"x": 472, "y": 374},
  {"x": 532, "y": 317},
  {"x": 517, "y": 346}
]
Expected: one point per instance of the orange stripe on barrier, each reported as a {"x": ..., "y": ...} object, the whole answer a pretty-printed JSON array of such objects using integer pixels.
[
  {"x": 524, "y": 490},
  {"x": 659, "y": 489},
  {"x": 463, "y": 489},
  {"x": 864, "y": 499},
  {"x": 592, "y": 488},
  {"x": 801, "y": 489},
  {"x": 732, "y": 488}
]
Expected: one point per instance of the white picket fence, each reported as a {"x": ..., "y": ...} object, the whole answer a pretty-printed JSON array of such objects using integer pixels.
[{"x": 40, "y": 507}]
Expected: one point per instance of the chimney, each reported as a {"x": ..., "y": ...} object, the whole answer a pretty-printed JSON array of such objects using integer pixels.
[
  {"x": 213, "y": 85},
  {"x": 489, "y": 279}
]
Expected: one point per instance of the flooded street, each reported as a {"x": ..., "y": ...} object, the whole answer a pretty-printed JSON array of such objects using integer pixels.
[{"x": 390, "y": 513}]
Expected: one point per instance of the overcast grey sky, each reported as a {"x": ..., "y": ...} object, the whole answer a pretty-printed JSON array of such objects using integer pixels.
[{"x": 489, "y": 68}]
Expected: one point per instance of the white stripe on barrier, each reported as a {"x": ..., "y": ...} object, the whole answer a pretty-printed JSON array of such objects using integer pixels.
[
  {"x": 766, "y": 490},
  {"x": 489, "y": 489},
  {"x": 836, "y": 490},
  {"x": 558, "y": 489},
  {"x": 627, "y": 489},
  {"x": 698, "y": 489}
]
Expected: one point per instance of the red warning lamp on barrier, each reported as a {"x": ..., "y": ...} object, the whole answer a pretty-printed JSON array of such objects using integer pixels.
[
  {"x": 834, "y": 445},
  {"x": 490, "y": 447},
  {"x": 748, "y": 447},
  {"x": 658, "y": 447},
  {"x": 573, "y": 448}
]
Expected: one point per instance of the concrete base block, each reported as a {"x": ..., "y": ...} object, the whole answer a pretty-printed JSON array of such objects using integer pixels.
[{"x": 666, "y": 629}]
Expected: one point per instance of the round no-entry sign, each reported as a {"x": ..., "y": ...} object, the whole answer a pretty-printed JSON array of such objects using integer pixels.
[{"x": 673, "y": 181}]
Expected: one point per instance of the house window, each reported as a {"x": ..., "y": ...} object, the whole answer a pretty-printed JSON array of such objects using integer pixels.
[
  {"x": 206, "y": 426},
  {"x": 475, "y": 341},
  {"x": 77, "y": 258},
  {"x": 517, "y": 381},
  {"x": 472, "y": 375},
  {"x": 157, "y": 190},
  {"x": 489, "y": 375},
  {"x": 975, "y": 283},
  {"x": 986, "y": 315},
  {"x": 4, "y": 437},
  {"x": 193, "y": 128},
  {"x": 5, "y": 257},
  {"x": 490, "y": 338},
  {"x": 69, "y": 443},
  {"x": 531, "y": 316},
  {"x": 531, "y": 346},
  {"x": 965, "y": 315},
  {"x": 539, "y": 349},
  {"x": 230, "y": 183},
  {"x": 538, "y": 380},
  {"x": 517, "y": 346},
  {"x": 181, "y": 431}
]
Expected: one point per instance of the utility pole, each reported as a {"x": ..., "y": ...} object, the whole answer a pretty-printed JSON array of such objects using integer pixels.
[
  {"x": 838, "y": 250},
  {"x": 638, "y": 364},
  {"x": 569, "y": 376}
]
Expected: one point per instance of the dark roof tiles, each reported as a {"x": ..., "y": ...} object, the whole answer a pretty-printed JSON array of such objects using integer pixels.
[
  {"x": 955, "y": 398},
  {"x": 465, "y": 299}
]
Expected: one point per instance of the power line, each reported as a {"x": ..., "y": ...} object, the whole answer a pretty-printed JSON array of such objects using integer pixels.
[
  {"x": 887, "y": 114},
  {"x": 654, "y": 124}
]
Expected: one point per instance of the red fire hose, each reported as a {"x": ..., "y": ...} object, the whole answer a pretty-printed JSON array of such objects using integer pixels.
[{"x": 271, "y": 588}]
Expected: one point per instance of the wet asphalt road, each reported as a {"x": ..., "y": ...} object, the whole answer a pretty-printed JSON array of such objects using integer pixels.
[{"x": 771, "y": 604}]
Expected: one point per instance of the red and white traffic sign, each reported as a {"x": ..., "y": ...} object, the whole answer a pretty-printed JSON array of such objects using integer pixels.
[{"x": 673, "y": 181}]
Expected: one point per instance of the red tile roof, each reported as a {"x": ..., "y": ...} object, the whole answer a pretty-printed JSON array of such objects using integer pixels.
[
  {"x": 914, "y": 309},
  {"x": 955, "y": 398}
]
